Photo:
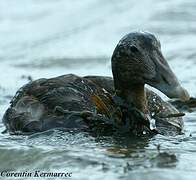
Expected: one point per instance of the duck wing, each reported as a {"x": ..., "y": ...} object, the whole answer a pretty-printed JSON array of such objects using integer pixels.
[
  {"x": 69, "y": 91},
  {"x": 34, "y": 107}
]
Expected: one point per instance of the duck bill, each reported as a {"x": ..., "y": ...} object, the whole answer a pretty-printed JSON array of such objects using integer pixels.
[
  {"x": 167, "y": 82},
  {"x": 177, "y": 92}
]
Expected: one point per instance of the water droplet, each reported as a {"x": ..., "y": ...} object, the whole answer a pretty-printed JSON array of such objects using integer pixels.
[{"x": 152, "y": 124}]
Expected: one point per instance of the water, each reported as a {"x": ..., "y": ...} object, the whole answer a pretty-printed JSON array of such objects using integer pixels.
[{"x": 50, "y": 38}]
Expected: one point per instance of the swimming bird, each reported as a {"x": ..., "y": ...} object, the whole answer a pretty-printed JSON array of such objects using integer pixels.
[{"x": 104, "y": 104}]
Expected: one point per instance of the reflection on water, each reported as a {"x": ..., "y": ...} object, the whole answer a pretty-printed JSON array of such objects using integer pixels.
[{"x": 50, "y": 38}]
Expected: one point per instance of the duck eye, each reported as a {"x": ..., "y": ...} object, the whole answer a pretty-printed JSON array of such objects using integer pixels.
[{"x": 134, "y": 49}]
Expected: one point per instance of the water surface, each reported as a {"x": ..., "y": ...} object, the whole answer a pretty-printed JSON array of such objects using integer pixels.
[{"x": 50, "y": 38}]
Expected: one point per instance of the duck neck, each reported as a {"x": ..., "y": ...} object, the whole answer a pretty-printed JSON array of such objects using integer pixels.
[{"x": 135, "y": 95}]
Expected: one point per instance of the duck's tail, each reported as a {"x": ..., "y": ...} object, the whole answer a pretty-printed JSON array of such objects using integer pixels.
[
  {"x": 18, "y": 122},
  {"x": 189, "y": 105}
]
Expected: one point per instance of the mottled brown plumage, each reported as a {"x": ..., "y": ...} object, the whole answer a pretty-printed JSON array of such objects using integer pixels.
[{"x": 103, "y": 104}]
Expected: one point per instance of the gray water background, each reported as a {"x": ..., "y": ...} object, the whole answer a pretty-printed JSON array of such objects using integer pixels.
[{"x": 50, "y": 38}]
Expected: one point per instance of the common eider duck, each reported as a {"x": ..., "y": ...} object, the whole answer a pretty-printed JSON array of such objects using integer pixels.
[{"x": 104, "y": 104}]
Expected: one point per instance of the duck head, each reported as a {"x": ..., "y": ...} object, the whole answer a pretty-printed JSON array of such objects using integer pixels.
[{"x": 137, "y": 60}]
